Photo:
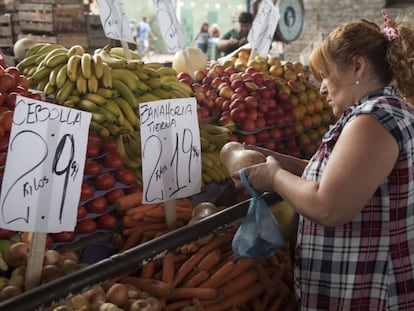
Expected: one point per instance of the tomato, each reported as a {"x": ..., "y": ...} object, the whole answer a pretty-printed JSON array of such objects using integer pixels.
[
  {"x": 97, "y": 205},
  {"x": 104, "y": 181},
  {"x": 107, "y": 221},
  {"x": 125, "y": 176},
  {"x": 94, "y": 138},
  {"x": 24, "y": 82},
  {"x": 6, "y": 119},
  {"x": 6, "y": 233},
  {"x": 13, "y": 71},
  {"x": 86, "y": 191},
  {"x": 134, "y": 188},
  {"x": 7, "y": 82},
  {"x": 4, "y": 143},
  {"x": 113, "y": 195},
  {"x": 11, "y": 99},
  {"x": 109, "y": 144},
  {"x": 49, "y": 241},
  {"x": 64, "y": 236},
  {"x": 113, "y": 160},
  {"x": 82, "y": 212},
  {"x": 86, "y": 226},
  {"x": 91, "y": 167},
  {"x": 92, "y": 150}
]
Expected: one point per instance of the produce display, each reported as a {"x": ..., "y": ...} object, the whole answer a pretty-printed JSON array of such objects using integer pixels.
[{"x": 253, "y": 100}]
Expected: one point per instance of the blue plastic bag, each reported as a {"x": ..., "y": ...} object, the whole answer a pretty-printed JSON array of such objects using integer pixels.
[{"x": 259, "y": 235}]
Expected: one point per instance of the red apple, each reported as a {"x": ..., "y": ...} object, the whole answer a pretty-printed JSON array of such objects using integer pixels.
[
  {"x": 237, "y": 114},
  {"x": 271, "y": 145},
  {"x": 263, "y": 136},
  {"x": 237, "y": 103},
  {"x": 225, "y": 106},
  {"x": 249, "y": 139},
  {"x": 251, "y": 113},
  {"x": 247, "y": 125},
  {"x": 260, "y": 122},
  {"x": 199, "y": 75},
  {"x": 185, "y": 77},
  {"x": 250, "y": 101},
  {"x": 276, "y": 133},
  {"x": 225, "y": 120},
  {"x": 236, "y": 84},
  {"x": 225, "y": 91}
]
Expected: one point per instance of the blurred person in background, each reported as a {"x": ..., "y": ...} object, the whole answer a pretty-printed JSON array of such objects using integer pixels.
[
  {"x": 143, "y": 33},
  {"x": 236, "y": 37},
  {"x": 202, "y": 37}
]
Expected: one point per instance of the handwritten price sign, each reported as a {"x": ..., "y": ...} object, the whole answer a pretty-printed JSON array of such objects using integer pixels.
[
  {"x": 170, "y": 147},
  {"x": 169, "y": 26},
  {"x": 44, "y": 170},
  {"x": 114, "y": 20}
]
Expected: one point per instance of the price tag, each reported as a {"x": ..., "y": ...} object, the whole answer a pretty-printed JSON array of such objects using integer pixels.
[
  {"x": 170, "y": 149},
  {"x": 42, "y": 180},
  {"x": 169, "y": 26},
  {"x": 114, "y": 20},
  {"x": 263, "y": 27}
]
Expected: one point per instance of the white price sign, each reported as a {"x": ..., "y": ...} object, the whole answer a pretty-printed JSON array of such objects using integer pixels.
[
  {"x": 169, "y": 26},
  {"x": 170, "y": 149},
  {"x": 42, "y": 180},
  {"x": 264, "y": 26},
  {"x": 114, "y": 20}
]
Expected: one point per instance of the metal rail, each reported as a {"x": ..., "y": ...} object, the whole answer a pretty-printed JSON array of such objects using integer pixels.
[{"x": 74, "y": 283}]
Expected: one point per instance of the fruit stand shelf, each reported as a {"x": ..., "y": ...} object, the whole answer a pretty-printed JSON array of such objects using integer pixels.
[{"x": 118, "y": 264}]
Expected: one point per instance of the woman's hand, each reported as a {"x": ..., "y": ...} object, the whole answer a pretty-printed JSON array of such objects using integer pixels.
[{"x": 259, "y": 176}]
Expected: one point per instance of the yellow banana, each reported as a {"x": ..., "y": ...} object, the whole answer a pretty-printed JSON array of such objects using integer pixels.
[
  {"x": 87, "y": 105},
  {"x": 49, "y": 89},
  {"x": 106, "y": 76},
  {"x": 120, "y": 52},
  {"x": 81, "y": 84},
  {"x": 34, "y": 49},
  {"x": 56, "y": 60},
  {"x": 63, "y": 93},
  {"x": 76, "y": 50},
  {"x": 61, "y": 76},
  {"x": 97, "y": 65},
  {"x": 151, "y": 72},
  {"x": 46, "y": 48},
  {"x": 98, "y": 117},
  {"x": 113, "y": 106},
  {"x": 154, "y": 83},
  {"x": 141, "y": 74},
  {"x": 86, "y": 65},
  {"x": 167, "y": 71},
  {"x": 147, "y": 97},
  {"x": 181, "y": 87},
  {"x": 206, "y": 161},
  {"x": 27, "y": 62},
  {"x": 96, "y": 98},
  {"x": 98, "y": 128},
  {"x": 125, "y": 92},
  {"x": 109, "y": 116},
  {"x": 161, "y": 93},
  {"x": 133, "y": 64},
  {"x": 206, "y": 178},
  {"x": 112, "y": 61},
  {"x": 121, "y": 149},
  {"x": 93, "y": 84},
  {"x": 128, "y": 111},
  {"x": 73, "y": 67},
  {"x": 127, "y": 77},
  {"x": 41, "y": 73},
  {"x": 107, "y": 93},
  {"x": 153, "y": 65},
  {"x": 53, "y": 75}
]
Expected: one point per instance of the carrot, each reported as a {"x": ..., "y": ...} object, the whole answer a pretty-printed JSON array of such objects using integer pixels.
[
  {"x": 128, "y": 201},
  {"x": 210, "y": 260},
  {"x": 184, "y": 202},
  {"x": 140, "y": 208},
  {"x": 178, "y": 305},
  {"x": 147, "y": 218},
  {"x": 155, "y": 287},
  {"x": 197, "y": 304},
  {"x": 268, "y": 284},
  {"x": 195, "y": 292},
  {"x": 148, "y": 270},
  {"x": 196, "y": 279},
  {"x": 187, "y": 267},
  {"x": 168, "y": 268},
  {"x": 239, "y": 298},
  {"x": 217, "y": 241},
  {"x": 157, "y": 212},
  {"x": 134, "y": 236},
  {"x": 243, "y": 281},
  {"x": 189, "y": 248},
  {"x": 216, "y": 279},
  {"x": 240, "y": 266}
]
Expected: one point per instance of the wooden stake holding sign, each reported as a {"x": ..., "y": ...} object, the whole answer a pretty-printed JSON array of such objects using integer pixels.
[{"x": 40, "y": 193}]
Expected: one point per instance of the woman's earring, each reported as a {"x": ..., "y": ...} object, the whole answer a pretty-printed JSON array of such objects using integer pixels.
[{"x": 357, "y": 82}]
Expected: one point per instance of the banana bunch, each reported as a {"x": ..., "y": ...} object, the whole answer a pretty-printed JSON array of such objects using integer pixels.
[
  {"x": 129, "y": 148},
  {"x": 213, "y": 171},
  {"x": 107, "y": 82},
  {"x": 4, "y": 246},
  {"x": 212, "y": 139}
]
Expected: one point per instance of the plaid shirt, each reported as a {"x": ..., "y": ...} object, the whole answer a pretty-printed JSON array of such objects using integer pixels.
[{"x": 366, "y": 264}]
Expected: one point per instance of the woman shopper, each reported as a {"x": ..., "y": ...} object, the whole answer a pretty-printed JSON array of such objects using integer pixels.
[
  {"x": 202, "y": 38},
  {"x": 355, "y": 197}
]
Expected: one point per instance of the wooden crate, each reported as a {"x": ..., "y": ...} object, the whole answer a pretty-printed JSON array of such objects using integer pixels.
[
  {"x": 51, "y": 18},
  {"x": 65, "y": 39},
  {"x": 6, "y": 31}
]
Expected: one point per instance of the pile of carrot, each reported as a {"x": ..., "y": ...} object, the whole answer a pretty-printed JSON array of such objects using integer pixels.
[{"x": 206, "y": 276}]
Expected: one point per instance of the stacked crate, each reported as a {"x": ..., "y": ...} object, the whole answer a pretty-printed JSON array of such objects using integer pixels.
[
  {"x": 6, "y": 31},
  {"x": 59, "y": 21},
  {"x": 95, "y": 31}
]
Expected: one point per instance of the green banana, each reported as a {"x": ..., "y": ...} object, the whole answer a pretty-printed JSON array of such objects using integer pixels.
[
  {"x": 125, "y": 92},
  {"x": 127, "y": 77},
  {"x": 61, "y": 76},
  {"x": 128, "y": 111}
]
